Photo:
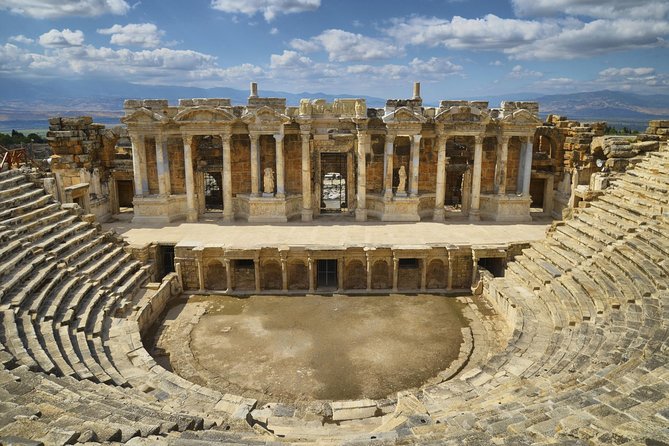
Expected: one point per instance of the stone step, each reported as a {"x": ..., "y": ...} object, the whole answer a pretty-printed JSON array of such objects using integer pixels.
[
  {"x": 12, "y": 339},
  {"x": 34, "y": 345},
  {"x": 11, "y": 178},
  {"x": 627, "y": 221},
  {"x": 15, "y": 201},
  {"x": 36, "y": 305},
  {"x": 32, "y": 286},
  {"x": 38, "y": 202},
  {"x": 33, "y": 215},
  {"x": 54, "y": 349},
  {"x": 16, "y": 190},
  {"x": 599, "y": 220}
]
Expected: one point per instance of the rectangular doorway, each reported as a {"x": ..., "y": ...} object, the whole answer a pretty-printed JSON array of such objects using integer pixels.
[
  {"x": 326, "y": 273},
  {"x": 213, "y": 192},
  {"x": 165, "y": 257},
  {"x": 537, "y": 186},
  {"x": 125, "y": 191},
  {"x": 334, "y": 188}
]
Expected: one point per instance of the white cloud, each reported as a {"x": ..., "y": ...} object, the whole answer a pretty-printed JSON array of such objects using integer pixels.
[
  {"x": 305, "y": 46},
  {"x": 269, "y": 8},
  {"x": 434, "y": 68},
  {"x": 274, "y": 31},
  {"x": 518, "y": 72},
  {"x": 627, "y": 72},
  {"x": 22, "y": 39},
  {"x": 62, "y": 38},
  {"x": 146, "y": 35},
  {"x": 51, "y": 9},
  {"x": 290, "y": 60},
  {"x": 487, "y": 33},
  {"x": 594, "y": 38},
  {"x": 609, "y": 9},
  {"x": 497, "y": 63},
  {"x": 344, "y": 46}
]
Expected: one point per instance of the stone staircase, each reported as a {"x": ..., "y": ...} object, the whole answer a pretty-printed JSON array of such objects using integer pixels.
[{"x": 587, "y": 359}]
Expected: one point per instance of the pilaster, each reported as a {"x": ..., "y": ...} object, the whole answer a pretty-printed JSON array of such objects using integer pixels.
[
  {"x": 415, "y": 161},
  {"x": 441, "y": 179},
  {"x": 388, "y": 163},
  {"x": 191, "y": 213},
  {"x": 474, "y": 210},
  {"x": 228, "y": 211},
  {"x": 280, "y": 166},
  {"x": 307, "y": 211}
]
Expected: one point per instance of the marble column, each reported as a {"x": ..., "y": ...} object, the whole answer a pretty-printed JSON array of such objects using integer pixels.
[
  {"x": 307, "y": 211},
  {"x": 310, "y": 265},
  {"x": 163, "y": 166},
  {"x": 256, "y": 274},
  {"x": 475, "y": 268},
  {"x": 228, "y": 275},
  {"x": 501, "y": 167},
  {"x": 449, "y": 283},
  {"x": 255, "y": 164},
  {"x": 527, "y": 171},
  {"x": 441, "y": 179},
  {"x": 280, "y": 166},
  {"x": 396, "y": 263},
  {"x": 191, "y": 213},
  {"x": 284, "y": 274},
  {"x": 415, "y": 161},
  {"x": 423, "y": 274},
  {"x": 200, "y": 272},
  {"x": 369, "y": 273},
  {"x": 228, "y": 210},
  {"x": 474, "y": 209},
  {"x": 363, "y": 144},
  {"x": 340, "y": 274},
  {"x": 388, "y": 164},
  {"x": 139, "y": 165}
]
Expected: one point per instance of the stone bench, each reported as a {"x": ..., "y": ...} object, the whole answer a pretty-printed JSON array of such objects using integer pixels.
[{"x": 39, "y": 202}]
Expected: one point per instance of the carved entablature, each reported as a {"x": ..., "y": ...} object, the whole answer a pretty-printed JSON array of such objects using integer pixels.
[
  {"x": 463, "y": 119},
  {"x": 520, "y": 123},
  {"x": 404, "y": 121},
  {"x": 145, "y": 119},
  {"x": 265, "y": 120}
]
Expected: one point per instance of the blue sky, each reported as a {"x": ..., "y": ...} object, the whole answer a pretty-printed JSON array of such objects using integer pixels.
[{"x": 456, "y": 48}]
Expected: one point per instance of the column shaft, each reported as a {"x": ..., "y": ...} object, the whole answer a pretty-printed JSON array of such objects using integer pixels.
[
  {"x": 200, "y": 273},
  {"x": 138, "y": 165},
  {"x": 441, "y": 179},
  {"x": 415, "y": 161},
  {"x": 256, "y": 272},
  {"x": 369, "y": 273},
  {"x": 521, "y": 168},
  {"x": 228, "y": 211},
  {"x": 307, "y": 212},
  {"x": 340, "y": 274},
  {"x": 284, "y": 275},
  {"x": 280, "y": 166},
  {"x": 423, "y": 274},
  {"x": 310, "y": 265},
  {"x": 191, "y": 215},
  {"x": 361, "y": 209},
  {"x": 255, "y": 164},
  {"x": 476, "y": 180},
  {"x": 501, "y": 166},
  {"x": 163, "y": 166},
  {"x": 449, "y": 284},
  {"x": 527, "y": 171},
  {"x": 396, "y": 262},
  {"x": 388, "y": 174},
  {"x": 228, "y": 275}
]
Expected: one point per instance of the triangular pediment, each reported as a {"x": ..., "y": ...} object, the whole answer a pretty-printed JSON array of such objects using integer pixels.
[
  {"x": 144, "y": 116},
  {"x": 265, "y": 115},
  {"x": 404, "y": 115},
  {"x": 463, "y": 114},
  {"x": 204, "y": 114},
  {"x": 521, "y": 118}
]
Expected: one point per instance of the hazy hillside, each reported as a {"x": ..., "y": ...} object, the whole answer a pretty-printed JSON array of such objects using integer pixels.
[{"x": 27, "y": 105}]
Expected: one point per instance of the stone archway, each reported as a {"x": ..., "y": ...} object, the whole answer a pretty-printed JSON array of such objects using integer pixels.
[
  {"x": 355, "y": 277},
  {"x": 436, "y": 274},
  {"x": 380, "y": 275},
  {"x": 298, "y": 275},
  {"x": 215, "y": 276},
  {"x": 271, "y": 278}
]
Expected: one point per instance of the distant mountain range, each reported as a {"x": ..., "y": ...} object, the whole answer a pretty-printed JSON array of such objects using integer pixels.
[{"x": 28, "y": 104}]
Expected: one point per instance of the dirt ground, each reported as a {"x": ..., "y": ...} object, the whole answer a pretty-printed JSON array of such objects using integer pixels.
[{"x": 304, "y": 348}]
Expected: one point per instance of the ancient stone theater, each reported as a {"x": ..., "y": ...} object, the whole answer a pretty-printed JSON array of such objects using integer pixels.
[{"x": 329, "y": 272}]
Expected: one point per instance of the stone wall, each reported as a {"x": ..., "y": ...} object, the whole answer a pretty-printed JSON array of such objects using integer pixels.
[
  {"x": 512, "y": 163},
  {"x": 293, "y": 159},
  {"x": 240, "y": 153},
  {"x": 488, "y": 165},
  {"x": 427, "y": 171}
]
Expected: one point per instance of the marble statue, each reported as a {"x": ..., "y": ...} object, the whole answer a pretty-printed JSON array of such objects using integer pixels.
[
  {"x": 268, "y": 181},
  {"x": 402, "y": 186}
]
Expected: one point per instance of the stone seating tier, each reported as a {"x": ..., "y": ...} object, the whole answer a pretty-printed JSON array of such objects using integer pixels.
[{"x": 586, "y": 359}]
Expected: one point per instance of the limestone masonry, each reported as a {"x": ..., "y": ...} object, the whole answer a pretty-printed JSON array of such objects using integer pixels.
[{"x": 567, "y": 335}]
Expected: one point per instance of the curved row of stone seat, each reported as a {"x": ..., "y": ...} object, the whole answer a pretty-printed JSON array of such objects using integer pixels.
[{"x": 61, "y": 279}]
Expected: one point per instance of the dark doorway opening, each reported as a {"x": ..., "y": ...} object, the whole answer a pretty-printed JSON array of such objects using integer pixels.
[
  {"x": 494, "y": 265},
  {"x": 334, "y": 190},
  {"x": 537, "y": 186},
  {"x": 165, "y": 257},
  {"x": 327, "y": 273},
  {"x": 213, "y": 192},
  {"x": 124, "y": 189}
]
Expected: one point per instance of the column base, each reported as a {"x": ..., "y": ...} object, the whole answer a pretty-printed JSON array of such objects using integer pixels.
[
  {"x": 191, "y": 216},
  {"x": 361, "y": 215},
  {"x": 474, "y": 215},
  {"x": 228, "y": 217},
  {"x": 439, "y": 214},
  {"x": 307, "y": 215}
]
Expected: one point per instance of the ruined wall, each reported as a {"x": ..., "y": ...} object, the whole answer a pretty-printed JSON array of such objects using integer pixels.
[
  {"x": 293, "y": 160},
  {"x": 375, "y": 166},
  {"x": 488, "y": 164},
  {"x": 427, "y": 170},
  {"x": 512, "y": 163},
  {"x": 151, "y": 167},
  {"x": 189, "y": 273},
  {"x": 175, "y": 150},
  {"x": 240, "y": 153}
]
